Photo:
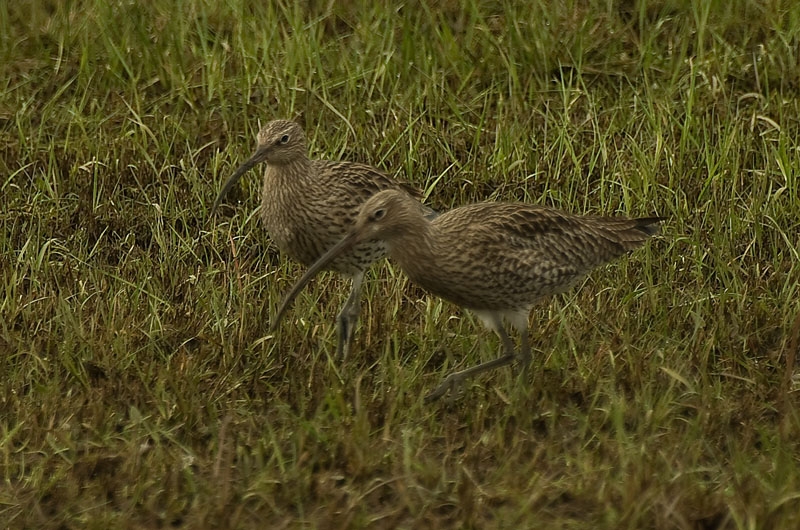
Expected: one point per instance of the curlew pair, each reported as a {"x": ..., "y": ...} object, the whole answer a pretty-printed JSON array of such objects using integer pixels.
[{"x": 497, "y": 259}]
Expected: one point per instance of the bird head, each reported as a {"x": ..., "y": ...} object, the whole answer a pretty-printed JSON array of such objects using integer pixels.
[
  {"x": 388, "y": 214},
  {"x": 280, "y": 142}
]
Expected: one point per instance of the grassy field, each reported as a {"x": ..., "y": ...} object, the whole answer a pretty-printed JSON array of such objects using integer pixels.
[{"x": 141, "y": 389}]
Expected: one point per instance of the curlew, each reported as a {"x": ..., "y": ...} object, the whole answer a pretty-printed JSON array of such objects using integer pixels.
[
  {"x": 308, "y": 205},
  {"x": 497, "y": 259}
]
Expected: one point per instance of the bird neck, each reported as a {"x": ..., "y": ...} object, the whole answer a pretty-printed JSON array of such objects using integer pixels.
[
  {"x": 288, "y": 176},
  {"x": 414, "y": 248}
]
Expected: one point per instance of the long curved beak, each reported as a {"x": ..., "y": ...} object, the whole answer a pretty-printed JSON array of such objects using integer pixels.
[
  {"x": 342, "y": 246},
  {"x": 233, "y": 179}
]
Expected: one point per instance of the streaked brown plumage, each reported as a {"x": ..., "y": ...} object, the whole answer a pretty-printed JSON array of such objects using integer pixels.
[
  {"x": 308, "y": 206},
  {"x": 496, "y": 259}
]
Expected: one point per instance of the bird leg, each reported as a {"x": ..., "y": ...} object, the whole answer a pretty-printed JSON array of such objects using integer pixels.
[
  {"x": 456, "y": 378},
  {"x": 348, "y": 318},
  {"x": 525, "y": 351}
]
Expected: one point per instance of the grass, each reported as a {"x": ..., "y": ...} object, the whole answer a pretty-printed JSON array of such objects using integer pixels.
[{"x": 140, "y": 388}]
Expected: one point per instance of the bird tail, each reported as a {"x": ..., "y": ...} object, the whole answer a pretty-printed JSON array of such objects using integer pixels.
[
  {"x": 632, "y": 233},
  {"x": 649, "y": 226}
]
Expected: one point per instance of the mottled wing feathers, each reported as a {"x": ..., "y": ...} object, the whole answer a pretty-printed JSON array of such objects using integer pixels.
[
  {"x": 499, "y": 256},
  {"x": 539, "y": 234},
  {"x": 355, "y": 183},
  {"x": 362, "y": 179}
]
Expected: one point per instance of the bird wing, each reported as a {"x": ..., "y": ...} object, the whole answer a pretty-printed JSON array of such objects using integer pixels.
[
  {"x": 546, "y": 237},
  {"x": 506, "y": 256},
  {"x": 362, "y": 182},
  {"x": 364, "y": 178}
]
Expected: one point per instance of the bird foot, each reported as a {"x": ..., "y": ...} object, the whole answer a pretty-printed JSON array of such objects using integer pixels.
[
  {"x": 450, "y": 383},
  {"x": 346, "y": 324},
  {"x": 342, "y": 350}
]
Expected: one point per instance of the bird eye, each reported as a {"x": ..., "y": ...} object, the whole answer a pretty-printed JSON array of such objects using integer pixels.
[
  {"x": 285, "y": 139},
  {"x": 378, "y": 214}
]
